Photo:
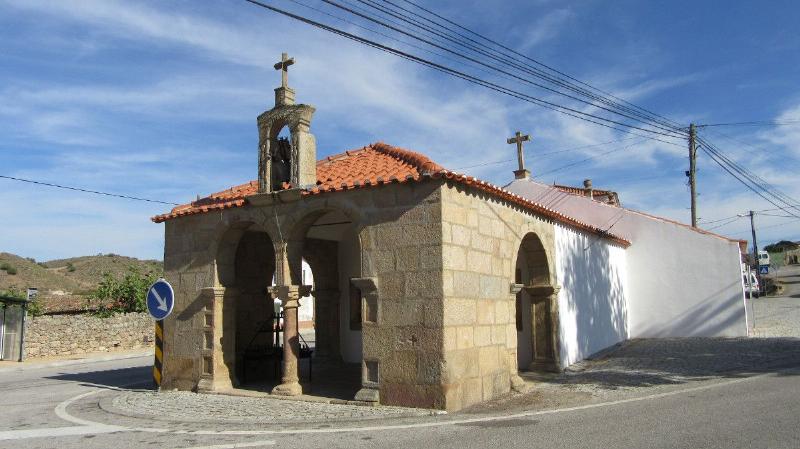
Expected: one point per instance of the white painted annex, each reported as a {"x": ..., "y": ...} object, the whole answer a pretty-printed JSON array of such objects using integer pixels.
[
  {"x": 677, "y": 281},
  {"x": 593, "y": 310}
]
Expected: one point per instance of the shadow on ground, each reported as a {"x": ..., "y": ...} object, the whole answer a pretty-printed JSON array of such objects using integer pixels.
[
  {"x": 135, "y": 377},
  {"x": 653, "y": 362},
  {"x": 329, "y": 380}
]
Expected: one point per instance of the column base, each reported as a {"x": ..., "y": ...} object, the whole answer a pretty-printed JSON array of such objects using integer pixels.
[
  {"x": 206, "y": 385},
  {"x": 518, "y": 384},
  {"x": 368, "y": 395},
  {"x": 288, "y": 389}
]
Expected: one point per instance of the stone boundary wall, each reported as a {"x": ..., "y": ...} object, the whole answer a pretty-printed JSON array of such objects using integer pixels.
[{"x": 53, "y": 335}]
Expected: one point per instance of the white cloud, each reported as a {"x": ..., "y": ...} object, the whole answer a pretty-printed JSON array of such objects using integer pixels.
[
  {"x": 226, "y": 78},
  {"x": 545, "y": 28}
]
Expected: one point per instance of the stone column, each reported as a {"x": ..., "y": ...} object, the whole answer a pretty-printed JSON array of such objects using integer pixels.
[
  {"x": 517, "y": 383},
  {"x": 219, "y": 349},
  {"x": 290, "y": 300},
  {"x": 370, "y": 320}
]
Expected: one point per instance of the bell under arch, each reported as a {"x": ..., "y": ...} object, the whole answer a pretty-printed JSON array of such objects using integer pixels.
[{"x": 292, "y": 160}]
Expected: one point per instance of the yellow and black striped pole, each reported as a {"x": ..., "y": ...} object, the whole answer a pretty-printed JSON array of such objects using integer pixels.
[{"x": 158, "y": 363}]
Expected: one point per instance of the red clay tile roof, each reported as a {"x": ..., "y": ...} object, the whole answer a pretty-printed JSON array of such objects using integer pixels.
[{"x": 372, "y": 165}]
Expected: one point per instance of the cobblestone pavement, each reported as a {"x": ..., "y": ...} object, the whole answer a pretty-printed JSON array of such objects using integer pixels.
[
  {"x": 779, "y": 316},
  {"x": 186, "y": 406},
  {"x": 650, "y": 366},
  {"x": 653, "y": 362}
]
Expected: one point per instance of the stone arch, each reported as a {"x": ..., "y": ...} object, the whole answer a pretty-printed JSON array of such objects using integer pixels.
[
  {"x": 536, "y": 307},
  {"x": 299, "y": 224},
  {"x": 244, "y": 267},
  {"x": 298, "y": 119},
  {"x": 225, "y": 245},
  {"x": 329, "y": 238}
]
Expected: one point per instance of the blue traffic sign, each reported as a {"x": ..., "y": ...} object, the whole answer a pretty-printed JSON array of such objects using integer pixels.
[
  {"x": 763, "y": 269},
  {"x": 160, "y": 299}
]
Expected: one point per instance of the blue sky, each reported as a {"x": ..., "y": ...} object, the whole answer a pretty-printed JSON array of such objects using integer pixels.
[{"x": 159, "y": 100}]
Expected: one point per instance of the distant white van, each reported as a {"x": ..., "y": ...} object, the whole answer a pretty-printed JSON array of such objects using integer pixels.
[{"x": 763, "y": 258}]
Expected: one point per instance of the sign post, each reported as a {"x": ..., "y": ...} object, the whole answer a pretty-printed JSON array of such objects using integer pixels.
[
  {"x": 160, "y": 302},
  {"x": 763, "y": 269}
]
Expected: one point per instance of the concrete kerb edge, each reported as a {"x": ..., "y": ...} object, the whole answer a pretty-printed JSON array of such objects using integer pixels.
[
  {"x": 451, "y": 419},
  {"x": 33, "y": 364},
  {"x": 106, "y": 403}
]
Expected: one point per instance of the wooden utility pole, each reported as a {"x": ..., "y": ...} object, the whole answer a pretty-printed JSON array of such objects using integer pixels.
[
  {"x": 693, "y": 170},
  {"x": 755, "y": 242}
]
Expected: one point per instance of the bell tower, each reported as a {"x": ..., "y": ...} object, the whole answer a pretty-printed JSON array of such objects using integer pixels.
[{"x": 286, "y": 163}]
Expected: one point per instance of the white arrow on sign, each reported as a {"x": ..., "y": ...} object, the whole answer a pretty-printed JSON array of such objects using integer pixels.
[{"x": 162, "y": 304}]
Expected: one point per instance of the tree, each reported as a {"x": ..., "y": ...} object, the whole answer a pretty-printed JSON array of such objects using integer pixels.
[
  {"x": 125, "y": 295},
  {"x": 781, "y": 246}
]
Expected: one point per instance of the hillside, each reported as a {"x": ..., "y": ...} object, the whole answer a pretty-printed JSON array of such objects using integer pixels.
[
  {"x": 88, "y": 270},
  {"x": 64, "y": 283}
]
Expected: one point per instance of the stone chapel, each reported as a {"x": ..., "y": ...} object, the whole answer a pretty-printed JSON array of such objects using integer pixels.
[{"x": 441, "y": 288}]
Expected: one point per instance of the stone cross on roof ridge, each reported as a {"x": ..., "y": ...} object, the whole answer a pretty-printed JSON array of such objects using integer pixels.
[
  {"x": 518, "y": 138},
  {"x": 283, "y": 66}
]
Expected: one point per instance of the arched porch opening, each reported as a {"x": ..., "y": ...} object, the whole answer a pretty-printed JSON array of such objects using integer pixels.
[
  {"x": 245, "y": 268},
  {"x": 328, "y": 242},
  {"x": 536, "y": 310}
]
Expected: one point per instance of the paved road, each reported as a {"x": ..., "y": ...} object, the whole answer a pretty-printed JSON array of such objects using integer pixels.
[
  {"x": 674, "y": 393},
  {"x": 779, "y": 316},
  {"x": 736, "y": 410}
]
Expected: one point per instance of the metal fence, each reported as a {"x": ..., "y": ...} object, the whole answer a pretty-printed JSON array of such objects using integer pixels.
[{"x": 12, "y": 328}]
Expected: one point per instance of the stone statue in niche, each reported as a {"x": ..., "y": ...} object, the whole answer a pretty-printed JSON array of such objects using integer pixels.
[{"x": 281, "y": 156}]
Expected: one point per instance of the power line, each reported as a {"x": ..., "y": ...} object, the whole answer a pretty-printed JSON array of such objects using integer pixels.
[
  {"x": 538, "y": 63},
  {"x": 470, "y": 78},
  {"x": 78, "y": 189},
  {"x": 759, "y": 212},
  {"x": 721, "y": 219},
  {"x": 505, "y": 72},
  {"x": 506, "y": 59},
  {"x": 757, "y": 181},
  {"x": 549, "y": 153},
  {"x": 769, "y": 227},
  {"x": 734, "y": 219},
  {"x": 755, "y": 123},
  {"x": 740, "y": 175},
  {"x": 572, "y": 164},
  {"x": 775, "y": 215}
]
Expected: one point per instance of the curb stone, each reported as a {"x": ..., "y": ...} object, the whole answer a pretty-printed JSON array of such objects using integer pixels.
[{"x": 33, "y": 365}]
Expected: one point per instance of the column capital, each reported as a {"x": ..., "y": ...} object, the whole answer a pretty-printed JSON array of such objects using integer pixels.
[
  {"x": 540, "y": 290},
  {"x": 218, "y": 293},
  {"x": 289, "y": 294},
  {"x": 368, "y": 286}
]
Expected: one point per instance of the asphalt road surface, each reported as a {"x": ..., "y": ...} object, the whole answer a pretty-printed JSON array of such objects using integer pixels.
[
  {"x": 741, "y": 412},
  {"x": 61, "y": 407}
]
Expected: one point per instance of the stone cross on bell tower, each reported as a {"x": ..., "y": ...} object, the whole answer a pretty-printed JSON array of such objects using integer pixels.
[
  {"x": 286, "y": 162},
  {"x": 522, "y": 172},
  {"x": 284, "y": 94}
]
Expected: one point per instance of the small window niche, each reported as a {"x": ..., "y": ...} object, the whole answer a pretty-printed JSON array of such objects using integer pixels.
[{"x": 355, "y": 308}]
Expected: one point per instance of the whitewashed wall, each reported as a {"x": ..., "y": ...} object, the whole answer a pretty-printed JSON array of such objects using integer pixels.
[
  {"x": 350, "y": 341},
  {"x": 305, "y": 313},
  {"x": 592, "y": 302},
  {"x": 682, "y": 283}
]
